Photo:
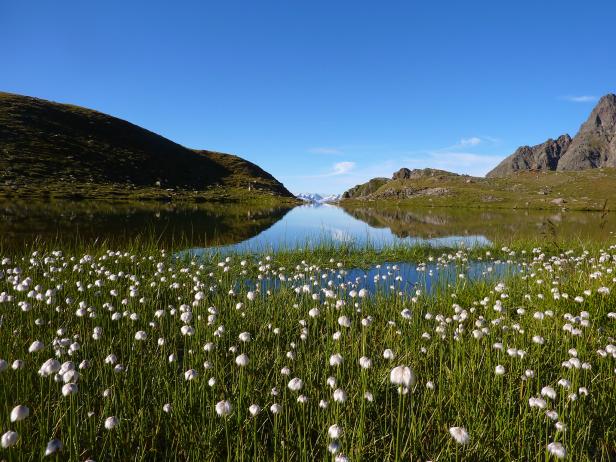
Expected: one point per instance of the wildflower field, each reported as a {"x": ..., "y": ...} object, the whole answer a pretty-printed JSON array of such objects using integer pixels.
[{"x": 142, "y": 354}]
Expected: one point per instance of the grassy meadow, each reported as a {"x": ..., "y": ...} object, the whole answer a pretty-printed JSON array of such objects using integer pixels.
[
  {"x": 591, "y": 189},
  {"x": 138, "y": 353}
]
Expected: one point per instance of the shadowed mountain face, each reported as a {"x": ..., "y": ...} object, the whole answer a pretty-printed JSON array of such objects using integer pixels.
[
  {"x": 42, "y": 142},
  {"x": 493, "y": 224},
  {"x": 68, "y": 222},
  {"x": 593, "y": 147}
]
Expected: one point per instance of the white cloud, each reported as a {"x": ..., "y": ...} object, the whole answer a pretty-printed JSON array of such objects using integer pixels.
[
  {"x": 341, "y": 168},
  {"x": 580, "y": 98},
  {"x": 325, "y": 150},
  {"x": 472, "y": 141},
  {"x": 454, "y": 161}
]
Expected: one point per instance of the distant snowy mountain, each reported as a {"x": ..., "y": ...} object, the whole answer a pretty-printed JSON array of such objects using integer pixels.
[{"x": 315, "y": 198}]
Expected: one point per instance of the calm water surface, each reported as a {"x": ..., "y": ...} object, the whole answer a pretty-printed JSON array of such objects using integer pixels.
[{"x": 225, "y": 227}]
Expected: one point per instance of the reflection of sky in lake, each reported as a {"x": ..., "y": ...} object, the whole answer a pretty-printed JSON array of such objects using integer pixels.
[
  {"x": 402, "y": 277},
  {"x": 310, "y": 225}
]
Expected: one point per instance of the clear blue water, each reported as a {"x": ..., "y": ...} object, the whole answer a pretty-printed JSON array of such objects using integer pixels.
[{"x": 311, "y": 225}]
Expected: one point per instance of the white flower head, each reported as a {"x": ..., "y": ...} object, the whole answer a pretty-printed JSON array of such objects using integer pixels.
[
  {"x": 223, "y": 408},
  {"x": 111, "y": 422},
  {"x": 19, "y": 413},
  {"x": 460, "y": 435}
]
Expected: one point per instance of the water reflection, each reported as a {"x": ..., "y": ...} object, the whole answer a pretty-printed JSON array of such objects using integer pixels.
[
  {"x": 493, "y": 224},
  {"x": 233, "y": 226},
  {"x": 398, "y": 277},
  {"x": 22, "y": 223}
]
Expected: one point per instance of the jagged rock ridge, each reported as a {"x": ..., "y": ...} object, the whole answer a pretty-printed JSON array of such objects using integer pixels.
[{"x": 594, "y": 146}]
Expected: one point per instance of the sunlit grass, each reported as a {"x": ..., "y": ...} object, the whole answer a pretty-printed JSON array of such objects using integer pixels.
[{"x": 281, "y": 357}]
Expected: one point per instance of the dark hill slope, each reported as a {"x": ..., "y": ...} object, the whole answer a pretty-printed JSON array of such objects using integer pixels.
[{"x": 46, "y": 143}]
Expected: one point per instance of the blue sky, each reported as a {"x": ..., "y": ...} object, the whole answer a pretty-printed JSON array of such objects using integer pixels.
[{"x": 323, "y": 94}]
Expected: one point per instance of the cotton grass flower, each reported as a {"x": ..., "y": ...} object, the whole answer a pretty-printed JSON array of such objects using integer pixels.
[
  {"x": 402, "y": 376},
  {"x": 334, "y": 432},
  {"x": 53, "y": 446},
  {"x": 340, "y": 395},
  {"x": 459, "y": 434},
  {"x": 275, "y": 408},
  {"x": 242, "y": 360},
  {"x": 223, "y": 408},
  {"x": 19, "y": 413},
  {"x": 9, "y": 439},
  {"x": 254, "y": 409},
  {"x": 141, "y": 336},
  {"x": 36, "y": 346},
  {"x": 190, "y": 374},
  {"x": 557, "y": 450},
  {"x": 69, "y": 389},
  {"x": 499, "y": 370},
  {"x": 295, "y": 384},
  {"x": 548, "y": 392},
  {"x": 111, "y": 422}
]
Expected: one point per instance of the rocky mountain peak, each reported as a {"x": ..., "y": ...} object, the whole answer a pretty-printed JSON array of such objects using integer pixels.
[
  {"x": 594, "y": 146},
  {"x": 603, "y": 116}
]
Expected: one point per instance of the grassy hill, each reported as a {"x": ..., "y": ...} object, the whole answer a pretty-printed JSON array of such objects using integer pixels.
[
  {"x": 61, "y": 150},
  {"x": 580, "y": 190}
]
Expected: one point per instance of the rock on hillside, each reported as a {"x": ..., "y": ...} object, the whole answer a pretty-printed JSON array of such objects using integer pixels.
[
  {"x": 594, "y": 146},
  {"x": 365, "y": 189},
  {"x": 417, "y": 173},
  {"x": 402, "y": 185},
  {"x": 544, "y": 156},
  {"x": 44, "y": 143}
]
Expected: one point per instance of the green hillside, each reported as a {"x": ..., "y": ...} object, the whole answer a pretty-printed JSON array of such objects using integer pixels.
[
  {"x": 592, "y": 189},
  {"x": 61, "y": 150}
]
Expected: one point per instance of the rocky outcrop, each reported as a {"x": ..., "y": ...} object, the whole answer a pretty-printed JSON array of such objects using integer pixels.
[
  {"x": 365, "y": 189},
  {"x": 417, "y": 173},
  {"x": 544, "y": 156},
  {"x": 594, "y": 146}
]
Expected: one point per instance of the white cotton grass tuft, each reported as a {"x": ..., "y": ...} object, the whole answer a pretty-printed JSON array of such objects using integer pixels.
[
  {"x": 53, "y": 446},
  {"x": 254, "y": 409},
  {"x": 295, "y": 384},
  {"x": 275, "y": 408},
  {"x": 111, "y": 422},
  {"x": 36, "y": 346},
  {"x": 460, "y": 435},
  {"x": 9, "y": 439},
  {"x": 190, "y": 374},
  {"x": 340, "y": 395},
  {"x": 69, "y": 389},
  {"x": 388, "y": 354},
  {"x": 334, "y": 432},
  {"x": 548, "y": 392},
  {"x": 402, "y": 376},
  {"x": 141, "y": 336},
  {"x": 19, "y": 413},
  {"x": 557, "y": 450},
  {"x": 223, "y": 408},
  {"x": 499, "y": 370},
  {"x": 242, "y": 360}
]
